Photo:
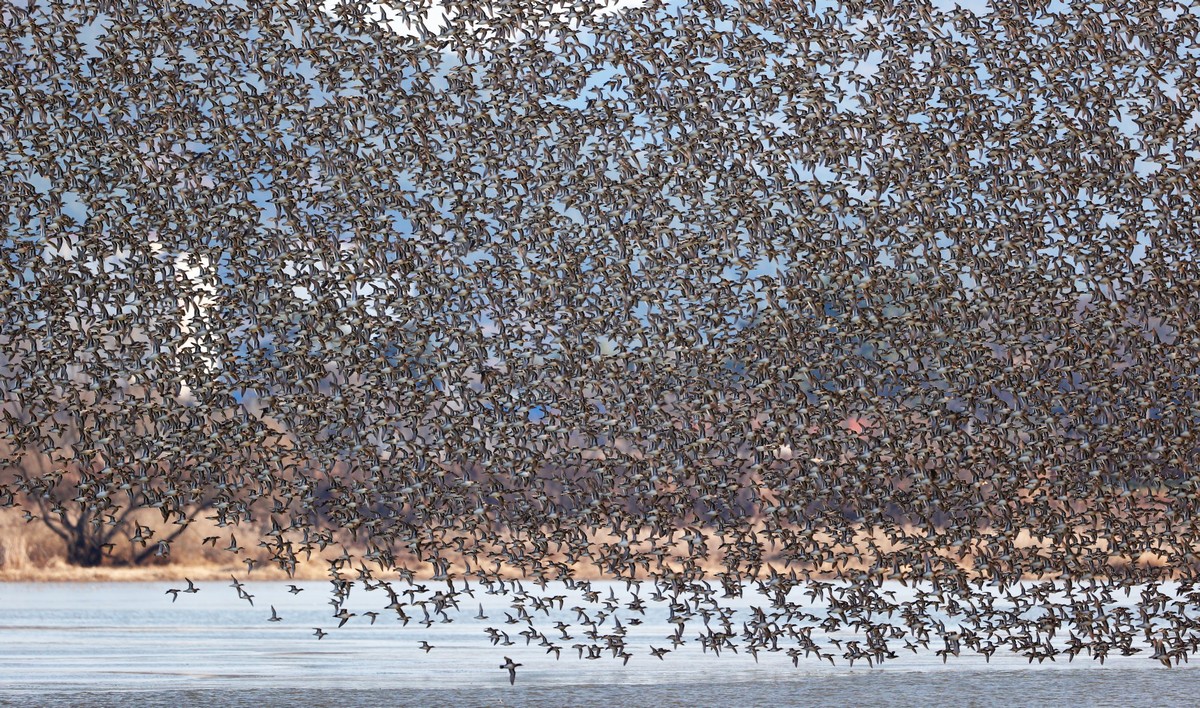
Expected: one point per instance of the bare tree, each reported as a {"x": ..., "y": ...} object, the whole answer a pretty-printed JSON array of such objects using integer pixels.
[{"x": 98, "y": 524}]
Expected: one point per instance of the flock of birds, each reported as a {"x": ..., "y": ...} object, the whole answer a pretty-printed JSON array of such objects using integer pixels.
[
  {"x": 710, "y": 295},
  {"x": 813, "y": 619}
]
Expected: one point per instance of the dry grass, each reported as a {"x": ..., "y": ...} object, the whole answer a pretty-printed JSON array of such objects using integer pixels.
[
  {"x": 26, "y": 547},
  {"x": 31, "y": 552},
  {"x": 59, "y": 571}
]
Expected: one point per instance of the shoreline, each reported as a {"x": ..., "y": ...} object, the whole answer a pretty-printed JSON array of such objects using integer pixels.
[
  {"x": 33, "y": 555},
  {"x": 119, "y": 574}
]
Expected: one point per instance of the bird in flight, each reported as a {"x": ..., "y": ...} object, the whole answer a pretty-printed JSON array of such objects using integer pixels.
[{"x": 512, "y": 669}]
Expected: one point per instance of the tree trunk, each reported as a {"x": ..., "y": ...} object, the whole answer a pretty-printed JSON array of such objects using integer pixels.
[{"x": 84, "y": 551}]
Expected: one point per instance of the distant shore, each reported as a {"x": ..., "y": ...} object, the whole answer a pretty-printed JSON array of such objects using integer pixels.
[
  {"x": 63, "y": 573},
  {"x": 31, "y": 553}
]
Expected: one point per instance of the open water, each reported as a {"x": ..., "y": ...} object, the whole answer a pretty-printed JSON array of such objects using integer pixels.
[{"x": 125, "y": 644}]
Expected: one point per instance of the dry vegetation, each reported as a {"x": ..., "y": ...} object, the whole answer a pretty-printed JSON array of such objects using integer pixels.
[{"x": 31, "y": 552}]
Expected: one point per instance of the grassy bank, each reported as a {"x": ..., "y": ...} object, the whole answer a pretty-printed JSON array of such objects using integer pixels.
[{"x": 32, "y": 552}]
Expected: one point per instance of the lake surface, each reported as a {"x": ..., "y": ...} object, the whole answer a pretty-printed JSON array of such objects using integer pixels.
[{"x": 125, "y": 644}]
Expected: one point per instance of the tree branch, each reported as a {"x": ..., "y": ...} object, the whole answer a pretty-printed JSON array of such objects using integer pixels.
[
  {"x": 57, "y": 526},
  {"x": 150, "y": 550},
  {"x": 114, "y": 528}
]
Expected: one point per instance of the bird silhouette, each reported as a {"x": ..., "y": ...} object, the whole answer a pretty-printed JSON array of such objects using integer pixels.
[{"x": 511, "y": 666}]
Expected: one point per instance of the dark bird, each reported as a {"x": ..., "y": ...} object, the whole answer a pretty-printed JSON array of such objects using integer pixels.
[{"x": 512, "y": 669}]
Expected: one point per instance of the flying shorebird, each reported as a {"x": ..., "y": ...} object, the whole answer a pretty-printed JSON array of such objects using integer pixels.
[
  {"x": 344, "y": 616},
  {"x": 512, "y": 669}
]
